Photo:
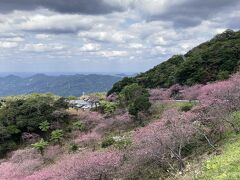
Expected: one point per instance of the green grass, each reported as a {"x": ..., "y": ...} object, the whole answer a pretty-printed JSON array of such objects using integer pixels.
[
  {"x": 184, "y": 106},
  {"x": 225, "y": 166}
]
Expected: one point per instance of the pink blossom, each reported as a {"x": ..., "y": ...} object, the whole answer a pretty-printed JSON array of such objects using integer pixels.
[
  {"x": 87, "y": 139},
  {"x": 191, "y": 93},
  {"x": 88, "y": 166},
  {"x": 112, "y": 97},
  {"x": 22, "y": 163},
  {"x": 159, "y": 94}
]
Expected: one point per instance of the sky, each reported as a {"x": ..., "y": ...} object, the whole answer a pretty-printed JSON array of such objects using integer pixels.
[{"x": 109, "y": 36}]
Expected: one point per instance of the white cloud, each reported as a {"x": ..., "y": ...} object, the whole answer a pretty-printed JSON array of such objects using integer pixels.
[
  {"x": 148, "y": 7},
  {"x": 14, "y": 39},
  {"x": 111, "y": 36},
  {"x": 90, "y": 47},
  {"x": 42, "y": 47},
  {"x": 5, "y": 44},
  {"x": 112, "y": 54},
  {"x": 136, "y": 45},
  {"x": 42, "y": 36},
  {"x": 58, "y": 23}
]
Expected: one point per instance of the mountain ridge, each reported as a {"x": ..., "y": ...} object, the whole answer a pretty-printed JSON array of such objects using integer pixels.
[
  {"x": 213, "y": 60},
  {"x": 63, "y": 85}
]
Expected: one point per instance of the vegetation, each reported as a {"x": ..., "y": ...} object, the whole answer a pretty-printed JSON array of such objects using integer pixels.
[
  {"x": 73, "y": 148},
  {"x": 44, "y": 126},
  {"x": 136, "y": 99},
  {"x": 78, "y": 125},
  {"x": 57, "y": 136},
  {"x": 107, "y": 142},
  {"x": 28, "y": 114},
  {"x": 214, "y": 60},
  {"x": 119, "y": 142},
  {"x": 225, "y": 166},
  {"x": 114, "y": 146},
  {"x": 41, "y": 145},
  {"x": 107, "y": 107}
]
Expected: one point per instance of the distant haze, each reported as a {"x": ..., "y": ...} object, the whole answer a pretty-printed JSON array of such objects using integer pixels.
[
  {"x": 63, "y": 85},
  {"x": 28, "y": 74}
]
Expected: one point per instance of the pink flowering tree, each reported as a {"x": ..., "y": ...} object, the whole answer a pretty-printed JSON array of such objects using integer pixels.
[
  {"x": 21, "y": 164},
  {"x": 191, "y": 93},
  {"x": 88, "y": 166},
  {"x": 159, "y": 94},
  {"x": 219, "y": 100},
  {"x": 165, "y": 139}
]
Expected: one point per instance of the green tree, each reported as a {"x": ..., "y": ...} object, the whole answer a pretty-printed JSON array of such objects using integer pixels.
[
  {"x": 136, "y": 99},
  {"x": 61, "y": 103},
  {"x": 131, "y": 92},
  {"x": 141, "y": 104}
]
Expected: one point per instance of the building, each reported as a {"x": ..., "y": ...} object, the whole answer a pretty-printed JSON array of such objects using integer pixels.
[{"x": 83, "y": 104}]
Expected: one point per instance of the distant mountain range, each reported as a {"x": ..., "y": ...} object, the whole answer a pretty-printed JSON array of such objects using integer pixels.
[{"x": 63, "y": 85}]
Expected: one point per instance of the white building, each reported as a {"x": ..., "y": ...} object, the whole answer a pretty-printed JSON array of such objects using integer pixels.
[{"x": 82, "y": 104}]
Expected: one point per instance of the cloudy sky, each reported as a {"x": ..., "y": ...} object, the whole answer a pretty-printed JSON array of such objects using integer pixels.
[{"x": 106, "y": 35}]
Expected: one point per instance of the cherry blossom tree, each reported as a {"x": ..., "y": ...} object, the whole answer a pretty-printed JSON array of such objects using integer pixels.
[
  {"x": 88, "y": 166},
  {"x": 165, "y": 139}
]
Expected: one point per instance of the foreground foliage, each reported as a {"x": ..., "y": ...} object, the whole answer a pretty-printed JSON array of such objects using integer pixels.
[
  {"x": 24, "y": 118},
  {"x": 95, "y": 145},
  {"x": 224, "y": 166}
]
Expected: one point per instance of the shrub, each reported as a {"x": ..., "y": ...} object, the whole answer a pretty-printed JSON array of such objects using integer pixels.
[
  {"x": 78, "y": 125},
  {"x": 108, "y": 107},
  {"x": 57, "y": 136},
  {"x": 44, "y": 126},
  {"x": 235, "y": 116},
  {"x": 141, "y": 104},
  {"x": 41, "y": 145},
  {"x": 158, "y": 108},
  {"x": 73, "y": 147},
  {"x": 121, "y": 142},
  {"x": 186, "y": 106},
  {"x": 109, "y": 141}
]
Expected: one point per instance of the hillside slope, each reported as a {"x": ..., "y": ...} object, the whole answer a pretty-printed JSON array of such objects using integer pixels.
[
  {"x": 210, "y": 61},
  {"x": 223, "y": 165}
]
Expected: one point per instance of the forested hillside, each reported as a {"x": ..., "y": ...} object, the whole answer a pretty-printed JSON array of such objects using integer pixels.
[
  {"x": 64, "y": 85},
  {"x": 210, "y": 61},
  {"x": 134, "y": 135}
]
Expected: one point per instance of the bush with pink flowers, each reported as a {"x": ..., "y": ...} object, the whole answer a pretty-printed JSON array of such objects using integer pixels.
[{"x": 88, "y": 166}]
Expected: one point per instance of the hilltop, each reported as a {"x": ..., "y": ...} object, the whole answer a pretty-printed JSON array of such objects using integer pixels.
[{"x": 210, "y": 61}]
